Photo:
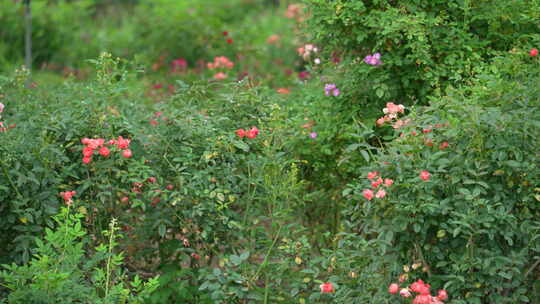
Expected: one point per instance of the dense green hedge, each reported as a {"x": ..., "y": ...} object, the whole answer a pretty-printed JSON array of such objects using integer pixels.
[{"x": 425, "y": 46}]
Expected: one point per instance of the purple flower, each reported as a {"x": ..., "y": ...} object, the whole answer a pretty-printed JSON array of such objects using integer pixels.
[
  {"x": 374, "y": 59},
  {"x": 331, "y": 88},
  {"x": 313, "y": 135}
]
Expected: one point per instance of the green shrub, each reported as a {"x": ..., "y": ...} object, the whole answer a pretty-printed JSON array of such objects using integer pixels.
[
  {"x": 473, "y": 221},
  {"x": 425, "y": 46},
  {"x": 62, "y": 270}
]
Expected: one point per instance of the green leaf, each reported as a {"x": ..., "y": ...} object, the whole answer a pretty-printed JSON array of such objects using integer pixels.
[{"x": 241, "y": 145}]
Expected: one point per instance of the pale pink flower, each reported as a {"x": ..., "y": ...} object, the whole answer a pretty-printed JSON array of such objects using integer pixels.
[
  {"x": 393, "y": 288},
  {"x": 443, "y": 295},
  {"x": 372, "y": 175},
  {"x": 368, "y": 194},
  {"x": 380, "y": 194},
  {"x": 388, "y": 182},
  {"x": 220, "y": 76},
  {"x": 425, "y": 175},
  {"x": 405, "y": 293}
]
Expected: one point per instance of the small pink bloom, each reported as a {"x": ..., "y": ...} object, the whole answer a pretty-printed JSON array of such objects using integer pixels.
[
  {"x": 87, "y": 160},
  {"x": 1, "y": 107},
  {"x": 220, "y": 76},
  {"x": 154, "y": 122},
  {"x": 87, "y": 151},
  {"x": 303, "y": 75},
  {"x": 111, "y": 142},
  {"x": 388, "y": 182},
  {"x": 393, "y": 288},
  {"x": 380, "y": 194},
  {"x": 169, "y": 187},
  {"x": 85, "y": 141},
  {"x": 368, "y": 194},
  {"x": 422, "y": 299},
  {"x": 195, "y": 256},
  {"x": 413, "y": 133},
  {"x": 122, "y": 143},
  {"x": 126, "y": 153},
  {"x": 405, "y": 293},
  {"x": 425, "y": 131},
  {"x": 420, "y": 287},
  {"x": 327, "y": 287},
  {"x": 376, "y": 183},
  {"x": 443, "y": 295},
  {"x": 443, "y": 145},
  {"x": 240, "y": 132},
  {"x": 68, "y": 195},
  {"x": 425, "y": 175},
  {"x": 372, "y": 175},
  {"x": 252, "y": 133},
  {"x": 104, "y": 151},
  {"x": 380, "y": 121},
  {"x": 151, "y": 179},
  {"x": 533, "y": 53},
  {"x": 124, "y": 199}
]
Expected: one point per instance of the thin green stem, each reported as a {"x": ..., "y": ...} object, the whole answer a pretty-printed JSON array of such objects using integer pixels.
[
  {"x": 265, "y": 261},
  {"x": 111, "y": 240}
]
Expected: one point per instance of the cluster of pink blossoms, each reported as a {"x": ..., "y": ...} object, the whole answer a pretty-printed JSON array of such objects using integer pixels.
[
  {"x": 376, "y": 181},
  {"x": 307, "y": 50},
  {"x": 99, "y": 144},
  {"x": 68, "y": 196},
  {"x": 391, "y": 112},
  {"x": 220, "y": 62},
  {"x": 423, "y": 293},
  {"x": 251, "y": 133}
]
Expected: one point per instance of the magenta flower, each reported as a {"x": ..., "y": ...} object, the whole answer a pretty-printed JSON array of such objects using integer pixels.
[
  {"x": 313, "y": 135},
  {"x": 374, "y": 59}
]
